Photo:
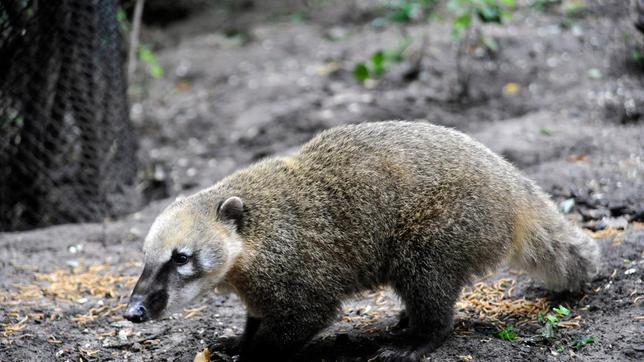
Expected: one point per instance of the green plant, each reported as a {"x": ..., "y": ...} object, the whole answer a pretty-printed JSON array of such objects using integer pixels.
[
  {"x": 551, "y": 322},
  {"x": 466, "y": 15},
  {"x": 550, "y": 330},
  {"x": 507, "y": 334},
  {"x": 582, "y": 342},
  {"x": 486, "y": 11},
  {"x": 561, "y": 311},
  {"x": 380, "y": 61}
]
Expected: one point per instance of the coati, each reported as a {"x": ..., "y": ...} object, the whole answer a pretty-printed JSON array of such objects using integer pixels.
[{"x": 418, "y": 207}]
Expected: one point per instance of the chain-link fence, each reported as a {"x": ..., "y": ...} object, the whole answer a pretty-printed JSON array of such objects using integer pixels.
[{"x": 67, "y": 150}]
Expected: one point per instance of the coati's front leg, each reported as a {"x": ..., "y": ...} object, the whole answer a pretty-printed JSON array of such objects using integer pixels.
[
  {"x": 234, "y": 345},
  {"x": 281, "y": 335}
]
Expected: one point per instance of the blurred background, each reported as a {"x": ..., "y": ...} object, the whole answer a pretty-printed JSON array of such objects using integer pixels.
[{"x": 111, "y": 109}]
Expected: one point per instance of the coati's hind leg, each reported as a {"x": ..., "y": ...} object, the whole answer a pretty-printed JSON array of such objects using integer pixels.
[{"x": 429, "y": 295}]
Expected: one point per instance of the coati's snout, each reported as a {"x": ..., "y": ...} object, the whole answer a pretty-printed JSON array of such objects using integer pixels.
[
  {"x": 187, "y": 253},
  {"x": 150, "y": 296}
]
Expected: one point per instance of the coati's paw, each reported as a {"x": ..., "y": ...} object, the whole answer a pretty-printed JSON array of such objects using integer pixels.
[
  {"x": 398, "y": 355},
  {"x": 228, "y": 345},
  {"x": 412, "y": 348}
]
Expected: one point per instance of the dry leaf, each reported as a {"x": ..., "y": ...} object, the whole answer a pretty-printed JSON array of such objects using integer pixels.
[{"x": 203, "y": 356}]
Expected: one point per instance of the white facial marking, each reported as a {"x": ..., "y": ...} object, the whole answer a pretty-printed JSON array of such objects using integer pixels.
[
  {"x": 185, "y": 250},
  {"x": 186, "y": 270}
]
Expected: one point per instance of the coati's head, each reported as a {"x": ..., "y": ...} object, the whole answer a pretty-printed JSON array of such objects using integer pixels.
[{"x": 188, "y": 250}]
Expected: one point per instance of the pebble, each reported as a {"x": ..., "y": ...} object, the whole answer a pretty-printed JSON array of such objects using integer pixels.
[{"x": 630, "y": 271}]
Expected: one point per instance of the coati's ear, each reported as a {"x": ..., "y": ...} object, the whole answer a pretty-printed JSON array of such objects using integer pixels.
[{"x": 231, "y": 210}]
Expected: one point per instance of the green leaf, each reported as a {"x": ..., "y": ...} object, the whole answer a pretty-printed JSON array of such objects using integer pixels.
[
  {"x": 378, "y": 62},
  {"x": 638, "y": 56},
  {"x": 378, "y": 58},
  {"x": 552, "y": 319},
  {"x": 121, "y": 15},
  {"x": 404, "y": 13},
  {"x": 462, "y": 22},
  {"x": 489, "y": 43},
  {"x": 548, "y": 331},
  {"x": 147, "y": 56},
  {"x": 121, "y": 19},
  {"x": 490, "y": 14},
  {"x": 361, "y": 72},
  {"x": 507, "y": 334},
  {"x": 561, "y": 310},
  {"x": 582, "y": 342}
]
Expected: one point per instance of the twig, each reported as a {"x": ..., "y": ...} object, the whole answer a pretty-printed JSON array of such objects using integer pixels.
[{"x": 134, "y": 38}]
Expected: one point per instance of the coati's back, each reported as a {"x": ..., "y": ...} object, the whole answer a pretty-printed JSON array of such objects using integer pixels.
[{"x": 363, "y": 195}]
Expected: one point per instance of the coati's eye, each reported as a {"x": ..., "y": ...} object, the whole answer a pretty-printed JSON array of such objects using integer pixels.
[{"x": 180, "y": 258}]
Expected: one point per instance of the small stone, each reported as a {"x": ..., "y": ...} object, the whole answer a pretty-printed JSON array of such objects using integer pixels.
[{"x": 594, "y": 73}]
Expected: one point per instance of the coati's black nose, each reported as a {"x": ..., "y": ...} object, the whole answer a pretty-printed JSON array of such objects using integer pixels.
[{"x": 136, "y": 311}]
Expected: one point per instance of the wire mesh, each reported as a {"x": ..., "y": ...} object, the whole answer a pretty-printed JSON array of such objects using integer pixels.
[{"x": 67, "y": 148}]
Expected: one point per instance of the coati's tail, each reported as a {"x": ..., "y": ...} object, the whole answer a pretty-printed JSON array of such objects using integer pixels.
[{"x": 550, "y": 248}]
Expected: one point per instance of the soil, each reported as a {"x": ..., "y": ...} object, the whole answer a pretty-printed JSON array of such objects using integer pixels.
[{"x": 561, "y": 98}]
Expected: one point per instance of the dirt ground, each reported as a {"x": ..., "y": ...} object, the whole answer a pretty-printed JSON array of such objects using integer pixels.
[{"x": 562, "y": 99}]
